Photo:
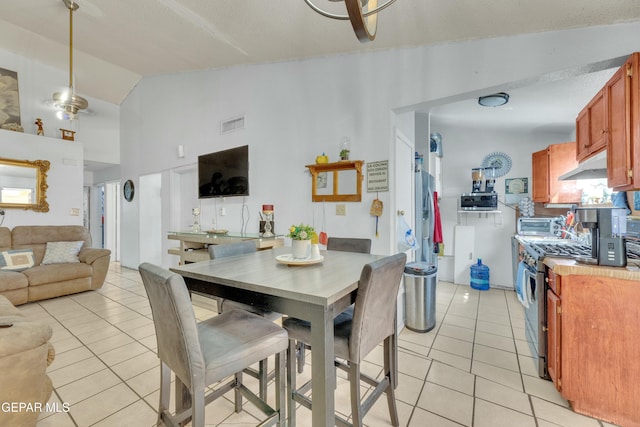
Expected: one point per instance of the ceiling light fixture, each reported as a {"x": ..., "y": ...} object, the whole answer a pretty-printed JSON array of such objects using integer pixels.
[
  {"x": 68, "y": 102},
  {"x": 494, "y": 100},
  {"x": 363, "y": 15}
]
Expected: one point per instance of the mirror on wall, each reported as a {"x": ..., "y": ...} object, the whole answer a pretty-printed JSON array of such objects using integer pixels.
[{"x": 23, "y": 184}]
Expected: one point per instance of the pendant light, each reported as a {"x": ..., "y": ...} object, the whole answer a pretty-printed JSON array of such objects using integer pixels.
[
  {"x": 68, "y": 102},
  {"x": 363, "y": 15}
]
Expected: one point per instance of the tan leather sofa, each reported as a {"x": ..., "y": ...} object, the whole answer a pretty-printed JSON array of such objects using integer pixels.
[
  {"x": 25, "y": 353},
  {"x": 47, "y": 281}
]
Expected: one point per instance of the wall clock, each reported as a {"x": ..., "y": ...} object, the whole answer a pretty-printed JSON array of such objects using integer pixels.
[
  {"x": 129, "y": 190},
  {"x": 500, "y": 161}
]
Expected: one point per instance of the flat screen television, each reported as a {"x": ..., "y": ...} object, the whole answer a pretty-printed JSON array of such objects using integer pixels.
[{"x": 224, "y": 173}]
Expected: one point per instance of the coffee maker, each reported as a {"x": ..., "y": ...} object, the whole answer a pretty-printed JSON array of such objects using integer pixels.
[
  {"x": 489, "y": 184},
  {"x": 477, "y": 175},
  {"x": 608, "y": 227},
  {"x": 479, "y": 200}
]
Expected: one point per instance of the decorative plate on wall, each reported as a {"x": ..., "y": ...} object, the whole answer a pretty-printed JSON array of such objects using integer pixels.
[
  {"x": 128, "y": 190},
  {"x": 500, "y": 161}
]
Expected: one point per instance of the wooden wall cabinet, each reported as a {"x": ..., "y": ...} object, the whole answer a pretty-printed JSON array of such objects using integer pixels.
[
  {"x": 591, "y": 128},
  {"x": 335, "y": 168},
  {"x": 546, "y": 166},
  {"x": 623, "y": 120},
  {"x": 611, "y": 121}
]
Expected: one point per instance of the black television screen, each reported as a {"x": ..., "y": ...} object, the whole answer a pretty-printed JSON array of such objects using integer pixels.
[{"x": 224, "y": 173}]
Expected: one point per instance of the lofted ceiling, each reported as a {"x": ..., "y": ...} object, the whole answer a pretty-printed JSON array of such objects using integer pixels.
[{"x": 117, "y": 42}]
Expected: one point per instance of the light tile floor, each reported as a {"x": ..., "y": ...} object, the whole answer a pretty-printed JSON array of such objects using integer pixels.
[{"x": 474, "y": 369}]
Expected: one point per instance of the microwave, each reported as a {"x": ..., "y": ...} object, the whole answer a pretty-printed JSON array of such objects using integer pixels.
[{"x": 539, "y": 226}]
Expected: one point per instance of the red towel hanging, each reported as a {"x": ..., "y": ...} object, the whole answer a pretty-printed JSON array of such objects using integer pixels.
[{"x": 437, "y": 222}]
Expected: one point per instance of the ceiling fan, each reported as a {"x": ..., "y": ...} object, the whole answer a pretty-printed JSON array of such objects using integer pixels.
[
  {"x": 363, "y": 15},
  {"x": 68, "y": 102}
]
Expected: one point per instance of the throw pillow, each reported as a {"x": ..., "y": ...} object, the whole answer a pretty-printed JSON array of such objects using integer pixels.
[
  {"x": 62, "y": 252},
  {"x": 16, "y": 260}
]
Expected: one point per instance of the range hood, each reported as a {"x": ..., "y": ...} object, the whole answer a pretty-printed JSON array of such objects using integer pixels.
[{"x": 593, "y": 167}]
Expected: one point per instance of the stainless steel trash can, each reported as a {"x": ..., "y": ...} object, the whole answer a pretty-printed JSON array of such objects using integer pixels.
[{"x": 420, "y": 296}]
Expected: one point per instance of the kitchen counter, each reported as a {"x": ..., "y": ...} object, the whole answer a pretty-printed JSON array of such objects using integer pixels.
[
  {"x": 566, "y": 267},
  {"x": 591, "y": 314}
]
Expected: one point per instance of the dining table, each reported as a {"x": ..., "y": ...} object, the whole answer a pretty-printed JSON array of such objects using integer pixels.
[{"x": 315, "y": 290}]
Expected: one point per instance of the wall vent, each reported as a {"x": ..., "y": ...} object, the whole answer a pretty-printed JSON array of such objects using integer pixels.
[{"x": 231, "y": 125}]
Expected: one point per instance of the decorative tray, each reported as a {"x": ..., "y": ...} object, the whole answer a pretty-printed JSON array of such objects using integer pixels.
[
  {"x": 217, "y": 231},
  {"x": 290, "y": 260}
]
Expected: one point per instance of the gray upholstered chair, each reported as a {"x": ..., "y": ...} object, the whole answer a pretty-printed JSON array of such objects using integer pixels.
[
  {"x": 233, "y": 249},
  {"x": 224, "y": 305},
  {"x": 202, "y": 354},
  {"x": 373, "y": 321},
  {"x": 344, "y": 244},
  {"x": 349, "y": 244}
]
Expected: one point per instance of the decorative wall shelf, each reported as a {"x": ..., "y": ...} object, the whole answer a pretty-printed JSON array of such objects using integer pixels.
[{"x": 336, "y": 167}]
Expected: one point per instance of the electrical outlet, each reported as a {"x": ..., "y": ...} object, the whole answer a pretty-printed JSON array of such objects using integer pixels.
[
  {"x": 223, "y": 211},
  {"x": 341, "y": 209},
  {"x": 74, "y": 212}
]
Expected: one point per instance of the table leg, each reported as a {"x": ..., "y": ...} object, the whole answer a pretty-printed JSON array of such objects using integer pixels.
[{"x": 323, "y": 377}]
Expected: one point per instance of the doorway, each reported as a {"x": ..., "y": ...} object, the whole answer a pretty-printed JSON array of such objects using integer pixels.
[
  {"x": 403, "y": 202},
  {"x": 111, "y": 218}
]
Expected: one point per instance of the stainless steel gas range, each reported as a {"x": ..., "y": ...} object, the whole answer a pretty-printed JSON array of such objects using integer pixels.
[{"x": 531, "y": 251}]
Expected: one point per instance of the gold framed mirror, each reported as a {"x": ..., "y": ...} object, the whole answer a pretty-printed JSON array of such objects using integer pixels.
[{"x": 23, "y": 184}]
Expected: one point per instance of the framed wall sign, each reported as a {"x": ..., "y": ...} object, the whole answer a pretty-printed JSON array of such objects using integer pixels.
[{"x": 378, "y": 176}]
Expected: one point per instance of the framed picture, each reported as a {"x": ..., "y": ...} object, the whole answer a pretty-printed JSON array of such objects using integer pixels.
[
  {"x": 322, "y": 180},
  {"x": 515, "y": 189},
  {"x": 9, "y": 100}
]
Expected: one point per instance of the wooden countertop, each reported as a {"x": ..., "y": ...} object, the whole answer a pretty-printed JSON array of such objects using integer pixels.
[{"x": 567, "y": 267}]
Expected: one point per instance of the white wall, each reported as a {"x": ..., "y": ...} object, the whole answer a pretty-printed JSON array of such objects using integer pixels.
[
  {"x": 98, "y": 132},
  {"x": 464, "y": 148},
  {"x": 297, "y": 110},
  {"x": 151, "y": 217},
  {"x": 64, "y": 177},
  {"x": 97, "y": 139}
]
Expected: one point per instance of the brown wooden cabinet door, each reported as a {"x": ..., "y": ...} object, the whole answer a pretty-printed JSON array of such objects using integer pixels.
[
  {"x": 561, "y": 160},
  {"x": 619, "y": 142},
  {"x": 597, "y": 127},
  {"x": 546, "y": 167},
  {"x": 554, "y": 338},
  {"x": 582, "y": 134},
  {"x": 619, "y": 145},
  {"x": 590, "y": 127},
  {"x": 540, "y": 176}
]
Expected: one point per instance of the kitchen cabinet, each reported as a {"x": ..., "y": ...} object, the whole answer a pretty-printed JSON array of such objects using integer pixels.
[
  {"x": 591, "y": 130},
  {"x": 554, "y": 329},
  {"x": 546, "y": 166},
  {"x": 623, "y": 116},
  {"x": 611, "y": 121},
  {"x": 592, "y": 321}
]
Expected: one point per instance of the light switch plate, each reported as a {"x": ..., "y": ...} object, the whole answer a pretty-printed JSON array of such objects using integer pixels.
[{"x": 341, "y": 209}]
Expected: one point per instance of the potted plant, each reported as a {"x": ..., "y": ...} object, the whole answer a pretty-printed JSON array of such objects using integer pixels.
[
  {"x": 301, "y": 236},
  {"x": 345, "y": 148}
]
